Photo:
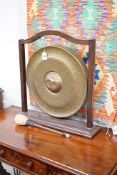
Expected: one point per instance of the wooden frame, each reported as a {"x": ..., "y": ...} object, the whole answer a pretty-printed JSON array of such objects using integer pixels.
[
  {"x": 1, "y": 98},
  {"x": 91, "y": 43}
]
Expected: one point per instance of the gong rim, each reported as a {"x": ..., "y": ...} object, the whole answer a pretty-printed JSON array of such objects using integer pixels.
[{"x": 65, "y": 102}]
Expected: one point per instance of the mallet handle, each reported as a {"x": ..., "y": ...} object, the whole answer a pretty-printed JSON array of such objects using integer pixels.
[{"x": 31, "y": 123}]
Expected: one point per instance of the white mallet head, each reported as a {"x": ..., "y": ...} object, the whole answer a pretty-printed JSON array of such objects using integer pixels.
[{"x": 20, "y": 119}]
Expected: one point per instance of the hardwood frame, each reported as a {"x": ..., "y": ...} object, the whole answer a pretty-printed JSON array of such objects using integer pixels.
[
  {"x": 91, "y": 43},
  {"x": 1, "y": 98}
]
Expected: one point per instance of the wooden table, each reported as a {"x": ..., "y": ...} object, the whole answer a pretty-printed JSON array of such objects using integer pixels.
[{"x": 38, "y": 151}]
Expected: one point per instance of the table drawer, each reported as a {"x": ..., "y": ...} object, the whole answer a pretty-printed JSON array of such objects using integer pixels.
[
  {"x": 28, "y": 164},
  {"x": 23, "y": 162}
]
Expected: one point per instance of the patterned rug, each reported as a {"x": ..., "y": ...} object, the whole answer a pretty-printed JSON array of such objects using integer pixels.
[{"x": 83, "y": 19}]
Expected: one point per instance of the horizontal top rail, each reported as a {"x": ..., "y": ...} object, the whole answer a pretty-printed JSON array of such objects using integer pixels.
[{"x": 56, "y": 33}]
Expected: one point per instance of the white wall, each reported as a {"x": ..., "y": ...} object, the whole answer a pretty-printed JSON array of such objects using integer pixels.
[{"x": 12, "y": 28}]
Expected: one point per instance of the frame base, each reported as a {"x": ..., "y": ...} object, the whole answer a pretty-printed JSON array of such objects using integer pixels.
[{"x": 70, "y": 125}]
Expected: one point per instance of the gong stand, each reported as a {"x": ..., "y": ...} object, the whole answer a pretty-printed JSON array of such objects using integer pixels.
[{"x": 88, "y": 130}]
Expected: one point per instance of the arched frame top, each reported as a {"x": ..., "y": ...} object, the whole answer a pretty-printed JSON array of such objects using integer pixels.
[{"x": 56, "y": 33}]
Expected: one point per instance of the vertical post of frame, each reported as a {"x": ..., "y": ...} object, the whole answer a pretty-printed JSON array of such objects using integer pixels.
[
  {"x": 23, "y": 75},
  {"x": 91, "y": 68},
  {"x": 1, "y": 98}
]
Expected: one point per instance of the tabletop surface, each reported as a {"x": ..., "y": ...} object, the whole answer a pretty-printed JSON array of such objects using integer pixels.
[{"x": 95, "y": 156}]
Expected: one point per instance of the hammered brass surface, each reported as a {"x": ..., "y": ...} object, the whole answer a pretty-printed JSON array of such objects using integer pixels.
[
  {"x": 53, "y": 82},
  {"x": 59, "y": 84}
]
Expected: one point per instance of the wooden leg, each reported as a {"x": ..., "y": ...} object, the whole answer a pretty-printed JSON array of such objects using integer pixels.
[{"x": 3, "y": 171}]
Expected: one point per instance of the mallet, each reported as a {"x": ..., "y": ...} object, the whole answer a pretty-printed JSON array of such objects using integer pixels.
[{"x": 22, "y": 119}]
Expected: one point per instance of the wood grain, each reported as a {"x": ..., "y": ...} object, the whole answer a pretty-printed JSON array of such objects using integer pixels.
[{"x": 48, "y": 152}]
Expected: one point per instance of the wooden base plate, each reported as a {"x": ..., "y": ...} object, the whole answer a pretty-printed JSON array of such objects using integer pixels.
[{"x": 70, "y": 125}]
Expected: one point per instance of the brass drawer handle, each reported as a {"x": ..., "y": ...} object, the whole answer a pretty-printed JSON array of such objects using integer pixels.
[
  {"x": 29, "y": 164},
  {"x": 2, "y": 152}
]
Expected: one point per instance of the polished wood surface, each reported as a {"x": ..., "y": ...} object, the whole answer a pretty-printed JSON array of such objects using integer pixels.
[{"x": 41, "y": 152}]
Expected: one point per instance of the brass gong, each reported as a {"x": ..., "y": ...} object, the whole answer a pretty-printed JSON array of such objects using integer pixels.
[{"x": 57, "y": 85}]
